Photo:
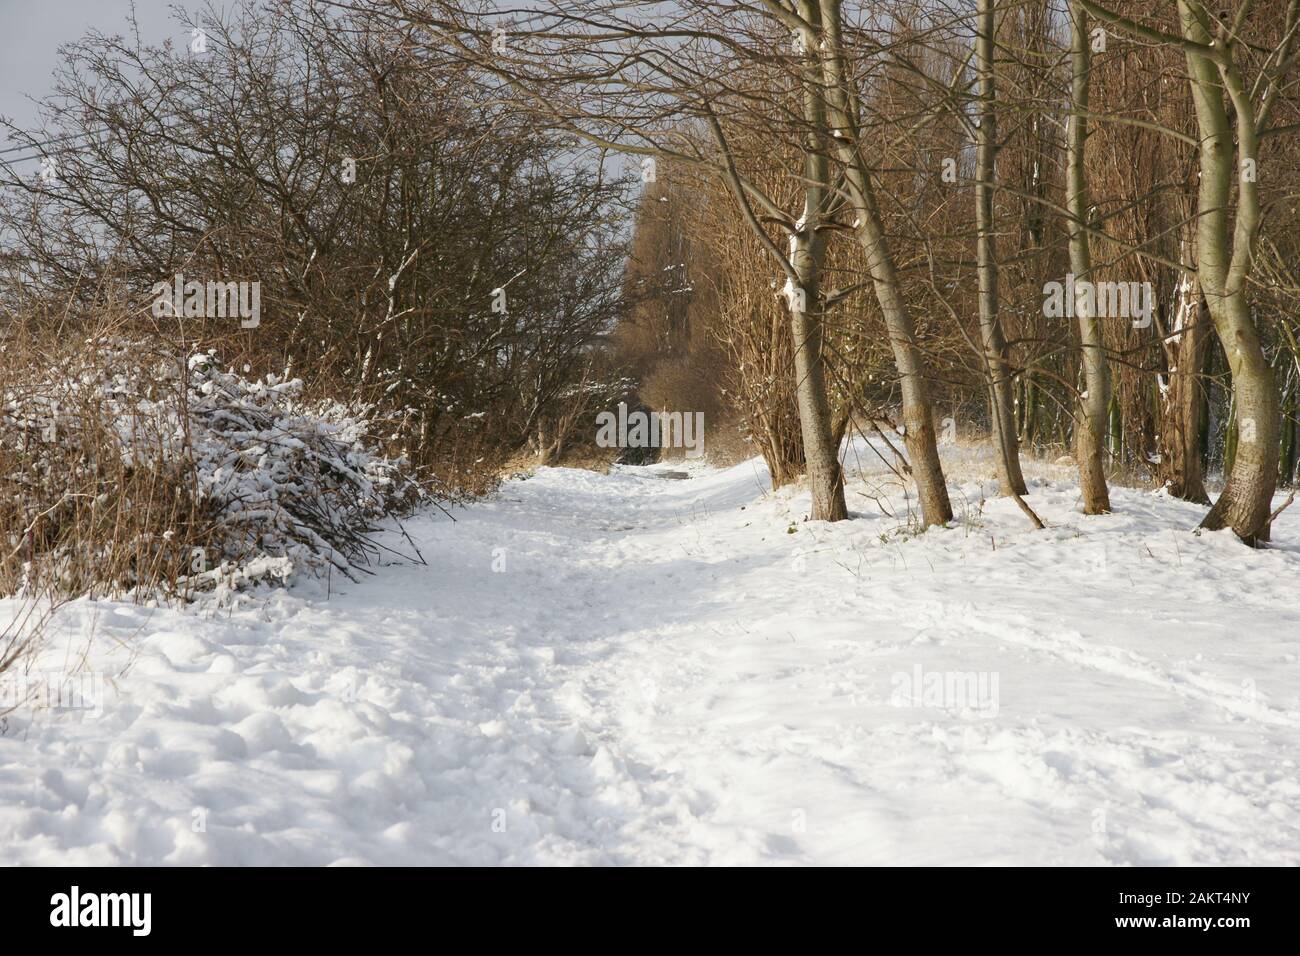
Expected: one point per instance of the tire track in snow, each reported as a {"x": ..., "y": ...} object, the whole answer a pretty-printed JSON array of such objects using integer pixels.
[{"x": 1067, "y": 644}]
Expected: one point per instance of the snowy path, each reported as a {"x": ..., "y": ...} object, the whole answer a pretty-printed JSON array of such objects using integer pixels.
[{"x": 661, "y": 673}]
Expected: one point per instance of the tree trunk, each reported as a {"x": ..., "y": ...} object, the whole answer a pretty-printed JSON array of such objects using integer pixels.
[
  {"x": 918, "y": 416},
  {"x": 548, "y": 450},
  {"x": 807, "y": 250},
  {"x": 1182, "y": 471},
  {"x": 825, "y": 477},
  {"x": 1246, "y": 501},
  {"x": 1094, "y": 402},
  {"x": 997, "y": 368},
  {"x": 1224, "y": 260}
]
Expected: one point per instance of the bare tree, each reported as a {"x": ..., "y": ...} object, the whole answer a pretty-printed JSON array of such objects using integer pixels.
[
  {"x": 1094, "y": 402},
  {"x": 1226, "y": 248},
  {"x": 380, "y": 203},
  {"x": 1001, "y": 411},
  {"x": 918, "y": 416}
]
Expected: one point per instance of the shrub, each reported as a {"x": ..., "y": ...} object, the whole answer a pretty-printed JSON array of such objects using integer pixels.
[{"x": 129, "y": 469}]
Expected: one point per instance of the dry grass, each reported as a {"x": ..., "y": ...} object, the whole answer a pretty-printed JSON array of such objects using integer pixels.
[
  {"x": 90, "y": 502},
  {"x": 133, "y": 470}
]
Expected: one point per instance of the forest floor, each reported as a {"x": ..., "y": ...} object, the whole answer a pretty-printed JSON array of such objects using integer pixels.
[{"x": 609, "y": 669}]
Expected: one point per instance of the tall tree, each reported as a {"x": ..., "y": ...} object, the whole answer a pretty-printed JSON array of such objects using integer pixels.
[
  {"x": 998, "y": 369},
  {"x": 918, "y": 415},
  {"x": 1226, "y": 244},
  {"x": 1094, "y": 402}
]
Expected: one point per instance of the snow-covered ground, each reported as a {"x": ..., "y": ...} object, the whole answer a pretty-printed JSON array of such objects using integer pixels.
[{"x": 633, "y": 669}]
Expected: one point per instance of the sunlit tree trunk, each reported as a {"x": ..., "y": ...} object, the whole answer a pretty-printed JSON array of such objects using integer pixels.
[
  {"x": 1006, "y": 441},
  {"x": 1223, "y": 267},
  {"x": 1183, "y": 423},
  {"x": 1091, "y": 419},
  {"x": 918, "y": 415},
  {"x": 807, "y": 250}
]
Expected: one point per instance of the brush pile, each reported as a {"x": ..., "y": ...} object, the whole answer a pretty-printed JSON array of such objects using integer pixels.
[{"x": 129, "y": 470}]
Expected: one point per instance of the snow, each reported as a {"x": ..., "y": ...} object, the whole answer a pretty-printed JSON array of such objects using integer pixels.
[
  {"x": 687, "y": 672},
  {"x": 281, "y": 484}
]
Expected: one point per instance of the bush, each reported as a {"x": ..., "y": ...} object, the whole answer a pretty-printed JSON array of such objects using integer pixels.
[{"x": 125, "y": 469}]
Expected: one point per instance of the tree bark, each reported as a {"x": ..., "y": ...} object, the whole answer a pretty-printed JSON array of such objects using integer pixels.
[
  {"x": 1224, "y": 259},
  {"x": 918, "y": 416},
  {"x": 807, "y": 250},
  {"x": 1091, "y": 418},
  {"x": 1182, "y": 469},
  {"x": 1244, "y": 506},
  {"x": 997, "y": 368}
]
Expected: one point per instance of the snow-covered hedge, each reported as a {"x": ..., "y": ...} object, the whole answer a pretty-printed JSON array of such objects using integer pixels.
[{"x": 139, "y": 470}]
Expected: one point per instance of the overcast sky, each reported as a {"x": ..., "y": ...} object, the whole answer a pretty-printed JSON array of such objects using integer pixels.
[{"x": 31, "y": 31}]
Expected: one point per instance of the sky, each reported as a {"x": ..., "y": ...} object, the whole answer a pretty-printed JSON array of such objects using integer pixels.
[{"x": 32, "y": 30}]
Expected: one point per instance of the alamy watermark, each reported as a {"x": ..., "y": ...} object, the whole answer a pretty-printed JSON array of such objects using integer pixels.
[
  {"x": 210, "y": 300},
  {"x": 651, "y": 430},
  {"x": 972, "y": 693},
  {"x": 130, "y": 910},
  {"x": 1104, "y": 300},
  {"x": 53, "y": 691}
]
